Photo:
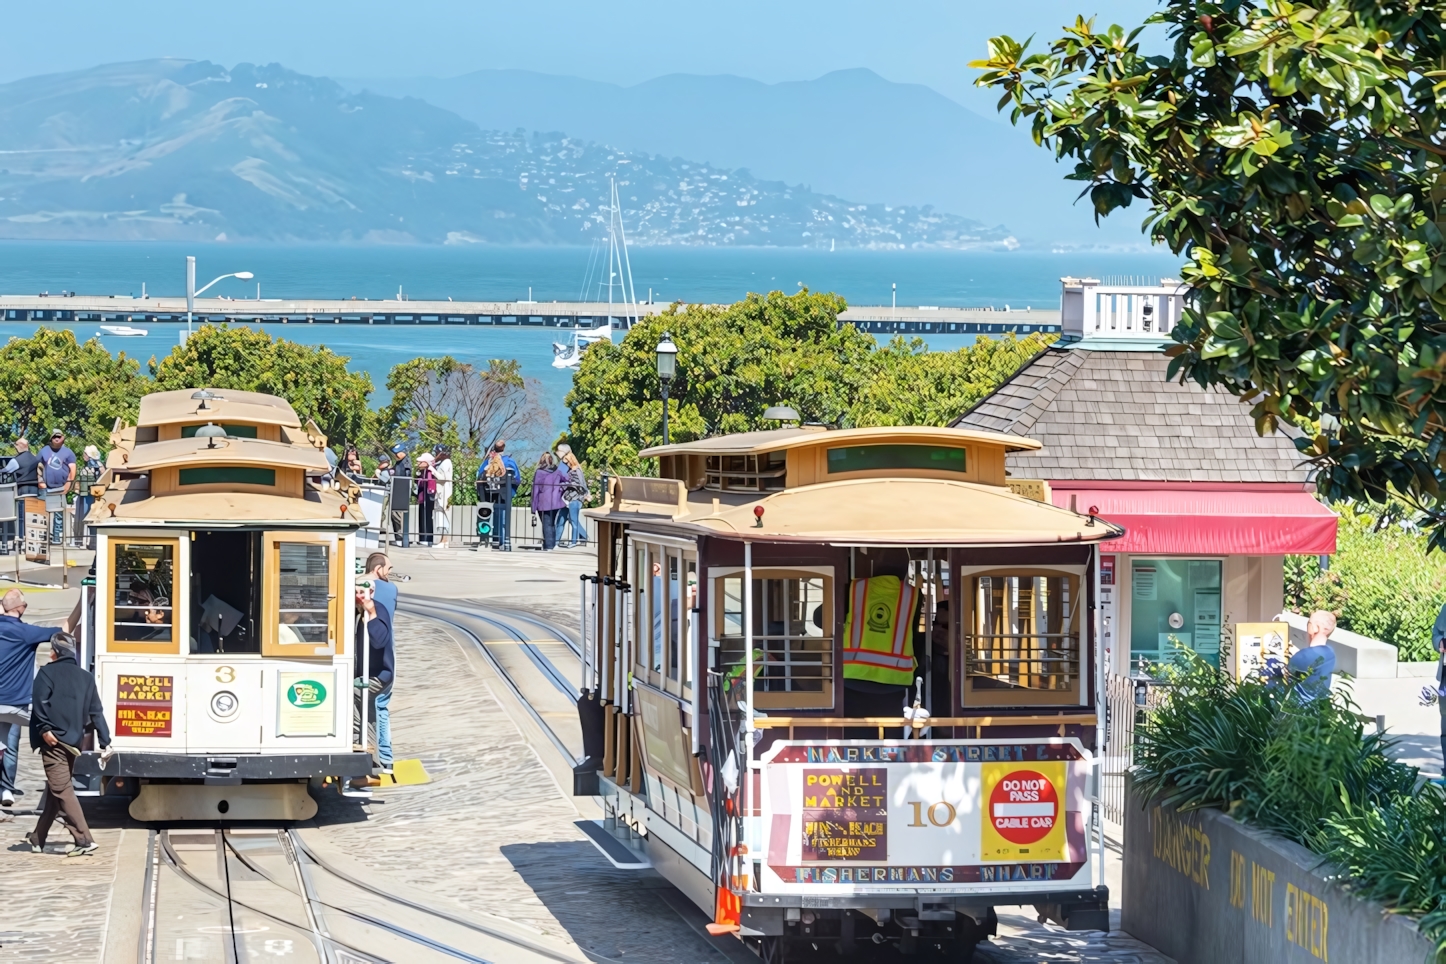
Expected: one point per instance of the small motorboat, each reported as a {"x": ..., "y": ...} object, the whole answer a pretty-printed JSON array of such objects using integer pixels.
[
  {"x": 123, "y": 331},
  {"x": 569, "y": 355}
]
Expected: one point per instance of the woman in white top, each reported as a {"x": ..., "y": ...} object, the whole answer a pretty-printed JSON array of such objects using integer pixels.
[{"x": 442, "y": 471}]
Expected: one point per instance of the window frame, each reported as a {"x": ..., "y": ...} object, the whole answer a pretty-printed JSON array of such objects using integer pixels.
[
  {"x": 667, "y": 677},
  {"x": 827, "y": 697},
  {"x": 180, "y": 595},
  {"x": 337, "y": 602},
  {"x": 1080, "y": 691}
]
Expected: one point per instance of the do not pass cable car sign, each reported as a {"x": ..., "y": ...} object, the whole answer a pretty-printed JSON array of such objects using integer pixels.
[{"x": 1024, "y": 817}]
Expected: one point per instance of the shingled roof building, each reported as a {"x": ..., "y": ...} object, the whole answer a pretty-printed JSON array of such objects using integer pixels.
[{"x": 1210, "y": 508}]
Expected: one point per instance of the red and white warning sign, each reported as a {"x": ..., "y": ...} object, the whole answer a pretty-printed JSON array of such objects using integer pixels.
[{"x": 1024, "y": 818}]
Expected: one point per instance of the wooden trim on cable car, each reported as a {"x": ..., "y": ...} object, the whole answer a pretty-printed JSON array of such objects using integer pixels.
[
  {"x": 179, "y": 598},
  {"x": 890, "y": 722}
]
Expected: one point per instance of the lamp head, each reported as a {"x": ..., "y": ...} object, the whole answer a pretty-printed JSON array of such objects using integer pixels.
[
  {"x": 780, "y": 413},
  {"x": 203, "y": 396},
  {"x": 210, "y": 432},
  {"x": 667, "y": 358},
  {"x": 244, "y": 275}
]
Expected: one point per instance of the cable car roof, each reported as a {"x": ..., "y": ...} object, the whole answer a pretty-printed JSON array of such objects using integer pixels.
[
  {"x": 199, "y": 451},
  {"x": 134, "y": 504},
  {"x": 893, "y": 511},
  {"x": 225, "y": 404},
  {"x": 779, "y": 440}
]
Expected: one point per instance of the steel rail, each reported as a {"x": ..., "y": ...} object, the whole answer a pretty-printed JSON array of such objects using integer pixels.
[{"x": 497, "y": 667}]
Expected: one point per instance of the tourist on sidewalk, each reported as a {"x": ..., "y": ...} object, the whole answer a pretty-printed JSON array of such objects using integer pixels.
[
  {"x": 426, "y": 497},
  {"x": 400, "y": 496},
  {"x": 57, "y": 475},
  {"x": 18, "y": 641},
  {"x": 574, "y": 493},
  {"x": 547, "y": 501},
  {"x": 442, "y": 472},
  {"x": 375, "y": 683},
  {"x": 1312, "y": 665},
  {"x": 25, "y": 467},
  {"x": 500, "y": 465},
  {"x": 64, "y": 704}
]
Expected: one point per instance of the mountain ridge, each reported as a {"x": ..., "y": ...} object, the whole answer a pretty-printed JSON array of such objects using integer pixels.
[{"x": 179, "y": 149}]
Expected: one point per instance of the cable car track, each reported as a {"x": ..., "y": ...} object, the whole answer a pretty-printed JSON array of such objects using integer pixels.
[
  {"x": 449, "y": 614},
  {"x": 310, "y": 915}
]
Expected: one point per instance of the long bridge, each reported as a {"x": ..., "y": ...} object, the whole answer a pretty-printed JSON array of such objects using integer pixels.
[{"x": 124, "y": 310}]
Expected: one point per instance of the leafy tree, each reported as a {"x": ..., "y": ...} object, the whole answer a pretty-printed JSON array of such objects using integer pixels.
[
  {"x": 915, "y": 386},
  {"x": 315, "y": 381},
  {"x": 50, "y": 380},
  {"x": 734, "y": 361},
  {"x": 1382, "y": 583},
  {"x": 441, "y": 401},
  {"x": 1294, "y": 152}
]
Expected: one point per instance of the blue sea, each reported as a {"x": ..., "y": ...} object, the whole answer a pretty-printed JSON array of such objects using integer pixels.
[{"x": 943, "y": 278}]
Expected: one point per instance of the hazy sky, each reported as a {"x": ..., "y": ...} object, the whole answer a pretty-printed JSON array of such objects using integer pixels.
[{"x": 624, "y": 41}]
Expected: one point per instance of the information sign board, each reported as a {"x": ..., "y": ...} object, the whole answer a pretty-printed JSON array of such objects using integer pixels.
[
  {"x": 1256, "y": 644},
  {"x": 306, "y": 704},
  {"x": 957, "y": 816},
  {"x": 37, "y": 530},
  {"x": 143, "y": 705}
]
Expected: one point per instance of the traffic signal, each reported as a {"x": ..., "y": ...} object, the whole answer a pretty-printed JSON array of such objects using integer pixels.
[{"x": 484, "y": 519}]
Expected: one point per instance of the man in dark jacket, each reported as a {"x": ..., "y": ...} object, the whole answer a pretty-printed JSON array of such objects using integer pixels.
[
  {"x": 374, "y": 682},
  {"x": 64, "y": 704}
]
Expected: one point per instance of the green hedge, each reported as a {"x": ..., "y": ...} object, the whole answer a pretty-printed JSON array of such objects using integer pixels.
[
  {"x": 1381, "y": 583},
  {"x": 1305, "y": 770}
]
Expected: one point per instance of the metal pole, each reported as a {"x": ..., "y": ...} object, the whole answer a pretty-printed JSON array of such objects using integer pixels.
[
  {"x": 748, "y": 685},
  {"x": 695, "y": 678},
  {"x": 190, "y": 291},
  {"x": 366, "y": 679},
  {"x": 582, "y": 615},
  {"x": 665, "y": 411}
]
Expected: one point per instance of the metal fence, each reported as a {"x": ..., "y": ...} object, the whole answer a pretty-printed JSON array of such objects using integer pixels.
[
  {"x": 462, "y": 520},
  {"x": 1128, "y": 700}
]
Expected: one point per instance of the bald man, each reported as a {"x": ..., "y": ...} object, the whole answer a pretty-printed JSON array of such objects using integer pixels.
[
  {"x": 1312, "y": 665},
  {"x": 18, "y": 641}
]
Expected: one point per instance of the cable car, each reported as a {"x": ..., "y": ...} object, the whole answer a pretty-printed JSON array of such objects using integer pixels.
[
  {"x": 845, "y": 686},
  {"x": 220, "y": 626}
]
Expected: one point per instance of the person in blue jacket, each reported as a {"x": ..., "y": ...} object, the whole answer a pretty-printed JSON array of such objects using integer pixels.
[
  {"x": 18, "y": 641},
  {"x": 375, "y": 684}
]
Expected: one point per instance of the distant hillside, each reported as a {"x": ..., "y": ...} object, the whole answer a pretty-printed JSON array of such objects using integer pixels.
[
  {"x": 190, "y": 150},
  {"x": 850, "y": 133}
]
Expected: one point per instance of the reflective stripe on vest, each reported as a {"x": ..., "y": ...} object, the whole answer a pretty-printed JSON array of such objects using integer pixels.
[{"x": 877, "y": 633}]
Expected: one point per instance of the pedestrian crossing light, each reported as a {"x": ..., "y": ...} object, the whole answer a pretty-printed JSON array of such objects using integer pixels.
[{"x": 484, "y": 519}]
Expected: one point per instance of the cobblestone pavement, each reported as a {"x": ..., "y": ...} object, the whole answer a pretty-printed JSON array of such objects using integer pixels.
[{"x": 493, "y": 831}]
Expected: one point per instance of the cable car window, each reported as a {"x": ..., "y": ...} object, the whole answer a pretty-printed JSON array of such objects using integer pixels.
[
  {"x": 675, "y": 607},
  {"x": 145, "y": 575},
  {"x": 1022, "y": 638},
  {"x": 304, "y": 584},
  {"x": 871, "y": 458},
  {"x": 228, "y": 473},
  {"x": 792, "y": 638}
]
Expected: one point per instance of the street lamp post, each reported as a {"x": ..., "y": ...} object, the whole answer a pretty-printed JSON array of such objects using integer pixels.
[
  {"x": 192, "y": 292},
  {"x": 667, "y": 358}
]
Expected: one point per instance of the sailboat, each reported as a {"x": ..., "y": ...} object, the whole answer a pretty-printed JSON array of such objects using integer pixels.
[{"x": 622, "y": 313}]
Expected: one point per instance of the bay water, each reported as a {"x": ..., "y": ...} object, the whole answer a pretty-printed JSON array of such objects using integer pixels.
[{"x": 484, "y": 273}]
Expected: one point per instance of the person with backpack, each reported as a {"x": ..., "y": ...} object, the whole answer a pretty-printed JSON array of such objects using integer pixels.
[
  {"x": 501, "y": 470},
  {"x": 574, "y": 492}
]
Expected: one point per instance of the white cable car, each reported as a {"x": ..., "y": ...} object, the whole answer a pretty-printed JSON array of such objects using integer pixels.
[{"x": 222, "y": 629}]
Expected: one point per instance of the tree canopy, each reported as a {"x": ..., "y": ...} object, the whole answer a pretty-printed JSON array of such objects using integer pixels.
[
  {"x": 1294, "y": 153},
  {"x": 50, "y": 380},
  {"x": 316, "y": 381},
  {"x": 735, "y": 361}
]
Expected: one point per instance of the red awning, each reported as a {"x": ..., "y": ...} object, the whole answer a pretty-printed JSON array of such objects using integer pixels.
[{"x": 1218, "y": 519}]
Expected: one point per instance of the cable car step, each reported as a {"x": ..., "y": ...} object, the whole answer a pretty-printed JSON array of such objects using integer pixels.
[{"x": 619, "y": 854}]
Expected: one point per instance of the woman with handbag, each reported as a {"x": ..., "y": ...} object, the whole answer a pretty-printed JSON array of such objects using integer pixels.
[{"x": 426, "y": 498}]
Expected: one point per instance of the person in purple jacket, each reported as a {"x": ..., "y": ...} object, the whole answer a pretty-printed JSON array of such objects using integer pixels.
[{"x": 547, "y": 501}]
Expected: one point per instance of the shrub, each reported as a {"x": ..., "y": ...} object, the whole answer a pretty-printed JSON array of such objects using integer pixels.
[
  {"x": 1305, "y": 770},
  {"x": 1382, "y": 583}
]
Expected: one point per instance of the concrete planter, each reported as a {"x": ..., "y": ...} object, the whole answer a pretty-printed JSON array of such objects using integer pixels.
[{"x": 1206, "y": 889}]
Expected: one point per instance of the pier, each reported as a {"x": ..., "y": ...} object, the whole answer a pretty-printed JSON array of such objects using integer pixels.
[{"x": 126, "y": 310}]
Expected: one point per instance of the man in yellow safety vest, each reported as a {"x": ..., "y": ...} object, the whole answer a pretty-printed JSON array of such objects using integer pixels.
[{"x": 878, "y": 633}]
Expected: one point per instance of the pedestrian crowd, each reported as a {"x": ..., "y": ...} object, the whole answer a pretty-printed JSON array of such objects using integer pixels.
[
  {"x": 426, "y": 479},
  {"x": 57, "y": 476}
]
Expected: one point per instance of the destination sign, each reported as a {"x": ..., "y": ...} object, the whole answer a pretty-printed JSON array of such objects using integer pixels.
[{"x": 143, "y": 706}]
